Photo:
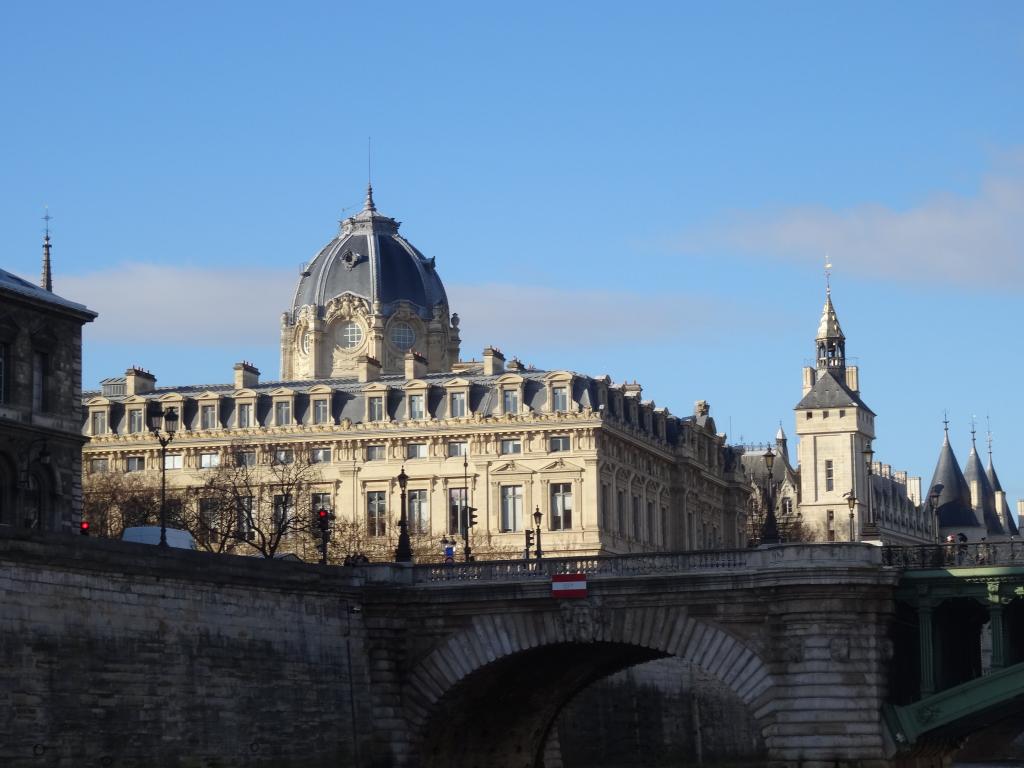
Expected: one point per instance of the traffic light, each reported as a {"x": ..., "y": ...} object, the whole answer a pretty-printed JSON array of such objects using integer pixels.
[
  {"x": 471, "y": 517},
  {"x": 529, "y": 538},
  {"x": 322, "y": 519},
  {"x": 83, "y": 528}
]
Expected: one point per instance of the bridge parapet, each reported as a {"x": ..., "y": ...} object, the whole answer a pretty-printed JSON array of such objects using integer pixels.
[{"x": 955, "y": 555}]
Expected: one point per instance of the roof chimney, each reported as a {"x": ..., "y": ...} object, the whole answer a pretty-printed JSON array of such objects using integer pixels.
[
  {"x": 853, "y": 379},
  {"x": 494, "y": 361},
  {"x": 138, "y": 381},
  {"x": 246, "y": 375},
  {"x": 415, "y": 365},
  {"x": 368, "y": 368}
]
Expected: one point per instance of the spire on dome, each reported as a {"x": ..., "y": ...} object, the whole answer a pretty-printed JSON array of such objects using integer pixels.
[
  {"x": 46, "y": 280},
  {"x": 830, "y": 339},
  {"x": 368, "y": 204}
]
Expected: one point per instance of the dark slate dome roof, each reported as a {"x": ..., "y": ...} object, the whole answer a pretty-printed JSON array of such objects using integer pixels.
[{"x": 370, "y": 259}]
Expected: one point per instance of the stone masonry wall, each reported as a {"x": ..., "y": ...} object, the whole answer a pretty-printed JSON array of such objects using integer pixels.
[{"x": 206, "y": 661}]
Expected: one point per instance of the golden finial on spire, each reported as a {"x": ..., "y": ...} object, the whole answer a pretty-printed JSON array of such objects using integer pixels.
[{"x": 828, "y": 276}]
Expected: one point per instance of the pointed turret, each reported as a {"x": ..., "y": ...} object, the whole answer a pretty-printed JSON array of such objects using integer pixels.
[
  {"x": 982, "y": 497},
  {"x": 1002, "y": 506},
  {"x": 956, "y": 515},
  {"x": 781, "y": 444},
  {"x": 46, "y": 280},
  {"x": 830, "y": 339}
]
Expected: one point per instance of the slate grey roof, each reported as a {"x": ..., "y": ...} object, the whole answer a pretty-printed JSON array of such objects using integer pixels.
[
  {"x": 370, "y": 259},
  {"x": 974, "y": 473},
  {"x": 1004, "y": 512},
  {"x": 13, "y": 284},
  {"x": 954, "y": 509},
  {"x": 829, "y": 392}
]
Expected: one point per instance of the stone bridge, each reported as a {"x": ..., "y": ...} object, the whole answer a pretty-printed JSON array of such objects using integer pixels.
[{"x": 115, "y": 654}]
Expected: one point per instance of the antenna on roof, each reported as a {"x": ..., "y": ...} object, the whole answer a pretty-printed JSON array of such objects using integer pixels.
[
  {"x": 973, "y": 429},
  {"x": 828, "y": 276},
  {"x": 988, "y": 438},
  {"x": 369, "y": 159},
  {"x": 46, "y": 280},
  {"x": 945, "y": 422}
]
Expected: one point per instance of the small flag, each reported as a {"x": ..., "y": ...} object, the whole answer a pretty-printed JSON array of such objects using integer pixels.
[{"x": 569, "y": 585}]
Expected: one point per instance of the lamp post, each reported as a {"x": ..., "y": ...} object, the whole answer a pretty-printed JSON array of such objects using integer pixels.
[
  {"x": 851, "y": 501},
  {"x": 403, "y": 552},
  {"x": 870, "y": 529},
  {"x": 537, "y": 517},
  {"x": 164, "y": 436},
  {"x": 770, "y": 529},
  {"x": 323, "y": 520},
  {"x": 26, "y": 479},
  {"x": 933, "y": 504}
]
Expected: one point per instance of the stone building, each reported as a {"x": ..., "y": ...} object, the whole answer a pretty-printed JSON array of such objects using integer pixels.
[
  {"x": 372, "y": 382},
  {"x": 835, "y": 461},
  {"x": 40, "y": 403}
]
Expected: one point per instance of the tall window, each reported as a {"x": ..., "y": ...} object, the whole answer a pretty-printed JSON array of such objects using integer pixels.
[
  {"x": 375, "y": 409},
  {"x": 458, "y": 401},
  {"x": 560, "y": 399},
  {"x": 636, "y": 517},
  {"x": 375, "y": 453},
  {"x": 99, "y": 422},
  {"x": 559, "y": 443},
  {"x": 511, "y": 507},
  {"x": 829, "y": 476},
  {"x": 282, "y": 413},
  {"x": 650, "y": 521},
  {"x": 4, "y": 351},
  {"x": 605, "y": 503},
  {"x": 458, "y": 448},
  {"x": 831, "y": 519},
  {"x": 319, "y": 501},
  {"x": 510, "y": 401},
  {"x": 376, "y": 513},
  {"x": 208, "y": 417},
  {"x": 243, "y": 523},
  {"x": 419, "y": 512},
  {"x": 135, "y": 420},
  {"x": 620, "y": 513},
  {"x": 320, "y": 411},
  {"x": 40, "y": 384},
  {"x": 561, "y": 506},
  {"x": 283, "y": 510},
  {"x": 415, "y": 406},
  {"x": 511, "y": 446},
  {"x": 245, "y": 415},
  {"x": 456, "y": 510},
  {"x": 207, "y": 517}
]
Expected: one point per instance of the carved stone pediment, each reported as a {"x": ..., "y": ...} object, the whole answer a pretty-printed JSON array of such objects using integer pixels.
[{"x": 561, "y": 464}]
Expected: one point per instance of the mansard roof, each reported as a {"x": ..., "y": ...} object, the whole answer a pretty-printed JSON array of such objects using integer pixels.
[
  {"x": 974, "y": 473},
  {"x": 954, "y": 508},
  {"x": 829, "y": 392}
]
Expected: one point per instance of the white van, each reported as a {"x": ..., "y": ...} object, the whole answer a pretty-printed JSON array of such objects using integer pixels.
[{"x": 150, "y": 534}]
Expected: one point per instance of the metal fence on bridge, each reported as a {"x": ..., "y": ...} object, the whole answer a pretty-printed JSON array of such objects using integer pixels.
[{"x": 956, "y": 555}]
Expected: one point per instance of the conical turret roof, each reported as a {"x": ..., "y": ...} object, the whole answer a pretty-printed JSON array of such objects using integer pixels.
[
  {"x": 974, "y": 473},
  {"x": 828, "y": 327},
  {"x": 1003, "y": 511},
  {"x": 954, "y": 507}
]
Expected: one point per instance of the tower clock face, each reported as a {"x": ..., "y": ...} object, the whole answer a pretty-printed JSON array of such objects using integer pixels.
[
  {"x": 402, "y": 336},
  {"x": 350, "y": 335}
]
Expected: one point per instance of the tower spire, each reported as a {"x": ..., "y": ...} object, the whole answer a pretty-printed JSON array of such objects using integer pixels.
[
  {"x": 831, "y": 342},
  {"x": 46, "y": 280}
]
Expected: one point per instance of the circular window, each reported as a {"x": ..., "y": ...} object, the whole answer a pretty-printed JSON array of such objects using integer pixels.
[
  {"x": 402, "y": 335},
  {"x": 304, "y": 342},
  {"x": 350, "y": 334}
]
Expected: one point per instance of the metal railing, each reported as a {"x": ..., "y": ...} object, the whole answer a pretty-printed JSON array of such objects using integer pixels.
[
  {"x": 617, "y": 565},
  {"x": 955, "y": 555}
]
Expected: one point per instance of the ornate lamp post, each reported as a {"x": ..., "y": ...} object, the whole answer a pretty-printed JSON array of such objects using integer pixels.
[
  {"x": 403, "y": 552},
  {"x": 770, "y": 529},
  {"x": 851, "y": 501},
  {"x": 164, "y": 437},
  {"x": 933, "y": 504},
  {"x": 870, "y": 529},
  {"x": 537, "y": 517}
]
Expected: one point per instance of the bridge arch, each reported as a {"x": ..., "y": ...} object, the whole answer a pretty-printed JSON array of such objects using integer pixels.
[{"x": 559, "y": 653}]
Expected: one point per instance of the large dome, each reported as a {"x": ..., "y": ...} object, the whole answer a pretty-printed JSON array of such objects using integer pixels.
[{"x": 371, "y": 260}]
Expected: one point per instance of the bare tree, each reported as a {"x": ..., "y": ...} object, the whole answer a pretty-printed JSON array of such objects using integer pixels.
[
  {"x": 258, "y": 501},
  {"x": 113, "y": 501}
]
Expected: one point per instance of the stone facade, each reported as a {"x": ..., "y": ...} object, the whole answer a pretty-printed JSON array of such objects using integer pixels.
[{"x": 40, "y": 405}]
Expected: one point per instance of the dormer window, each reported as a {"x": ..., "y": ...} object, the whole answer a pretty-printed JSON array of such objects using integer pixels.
[
  {"x": 375, "y": 408},
  {"x": 560, "y": 399},
  {"x": 458, "y": 404},
  {"x": 320, "y": 411},
  {"x": 415, "y": 406},
  {"x": 208, "y": 416},
  {"x": 99, "y": 422},
  {"x": 510, "y": 401},
  {"x": 135, "y": 420},
  {"x": 244, "y": 418},
  {"x": 282, "y": 413}
]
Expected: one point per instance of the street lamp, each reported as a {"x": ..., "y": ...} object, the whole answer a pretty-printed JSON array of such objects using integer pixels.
[
  {"x": 770, "y": 529},
  {"x": 933, "y": 503},
  {"x": 870, "y": 529},
  {"x": 164, "y": 437},
  {"x": 851, "y": 500},
  {"x": 537, "y": 517},
  {"x": 403, "y": 553}
]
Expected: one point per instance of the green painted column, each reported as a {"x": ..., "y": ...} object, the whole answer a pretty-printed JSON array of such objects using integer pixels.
[
  {"x": 924, "y": 621},
  {"x": 995, "y": 617}
]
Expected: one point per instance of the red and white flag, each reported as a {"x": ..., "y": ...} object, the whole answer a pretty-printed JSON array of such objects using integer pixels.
[{"x": 569, "y": 585}]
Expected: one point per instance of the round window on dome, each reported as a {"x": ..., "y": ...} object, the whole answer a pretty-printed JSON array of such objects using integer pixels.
[
  {"x": 350, "y": 335},
  {"x": 403, "y": 336}
]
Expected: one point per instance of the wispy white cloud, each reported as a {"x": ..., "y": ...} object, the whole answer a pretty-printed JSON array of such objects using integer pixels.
[
  {"x": 973, "y": 241},
  {"x": 156, "y": 304}
]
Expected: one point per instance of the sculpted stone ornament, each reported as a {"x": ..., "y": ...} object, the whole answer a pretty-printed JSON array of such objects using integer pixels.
[{"x": 583, "y": 619}]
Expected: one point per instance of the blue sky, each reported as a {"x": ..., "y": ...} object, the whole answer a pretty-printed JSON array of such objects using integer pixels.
[{"x": 645, "y": 190}]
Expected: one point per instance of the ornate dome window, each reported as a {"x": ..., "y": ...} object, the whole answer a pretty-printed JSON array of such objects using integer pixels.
[
  {"x": 402, "y": 335},
  {"x": 350, "y": 335}
]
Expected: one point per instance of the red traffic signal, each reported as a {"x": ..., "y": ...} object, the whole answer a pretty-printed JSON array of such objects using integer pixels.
[
  {"x": 84, "y": 528},
  {"x": 322, "y": 518}
]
